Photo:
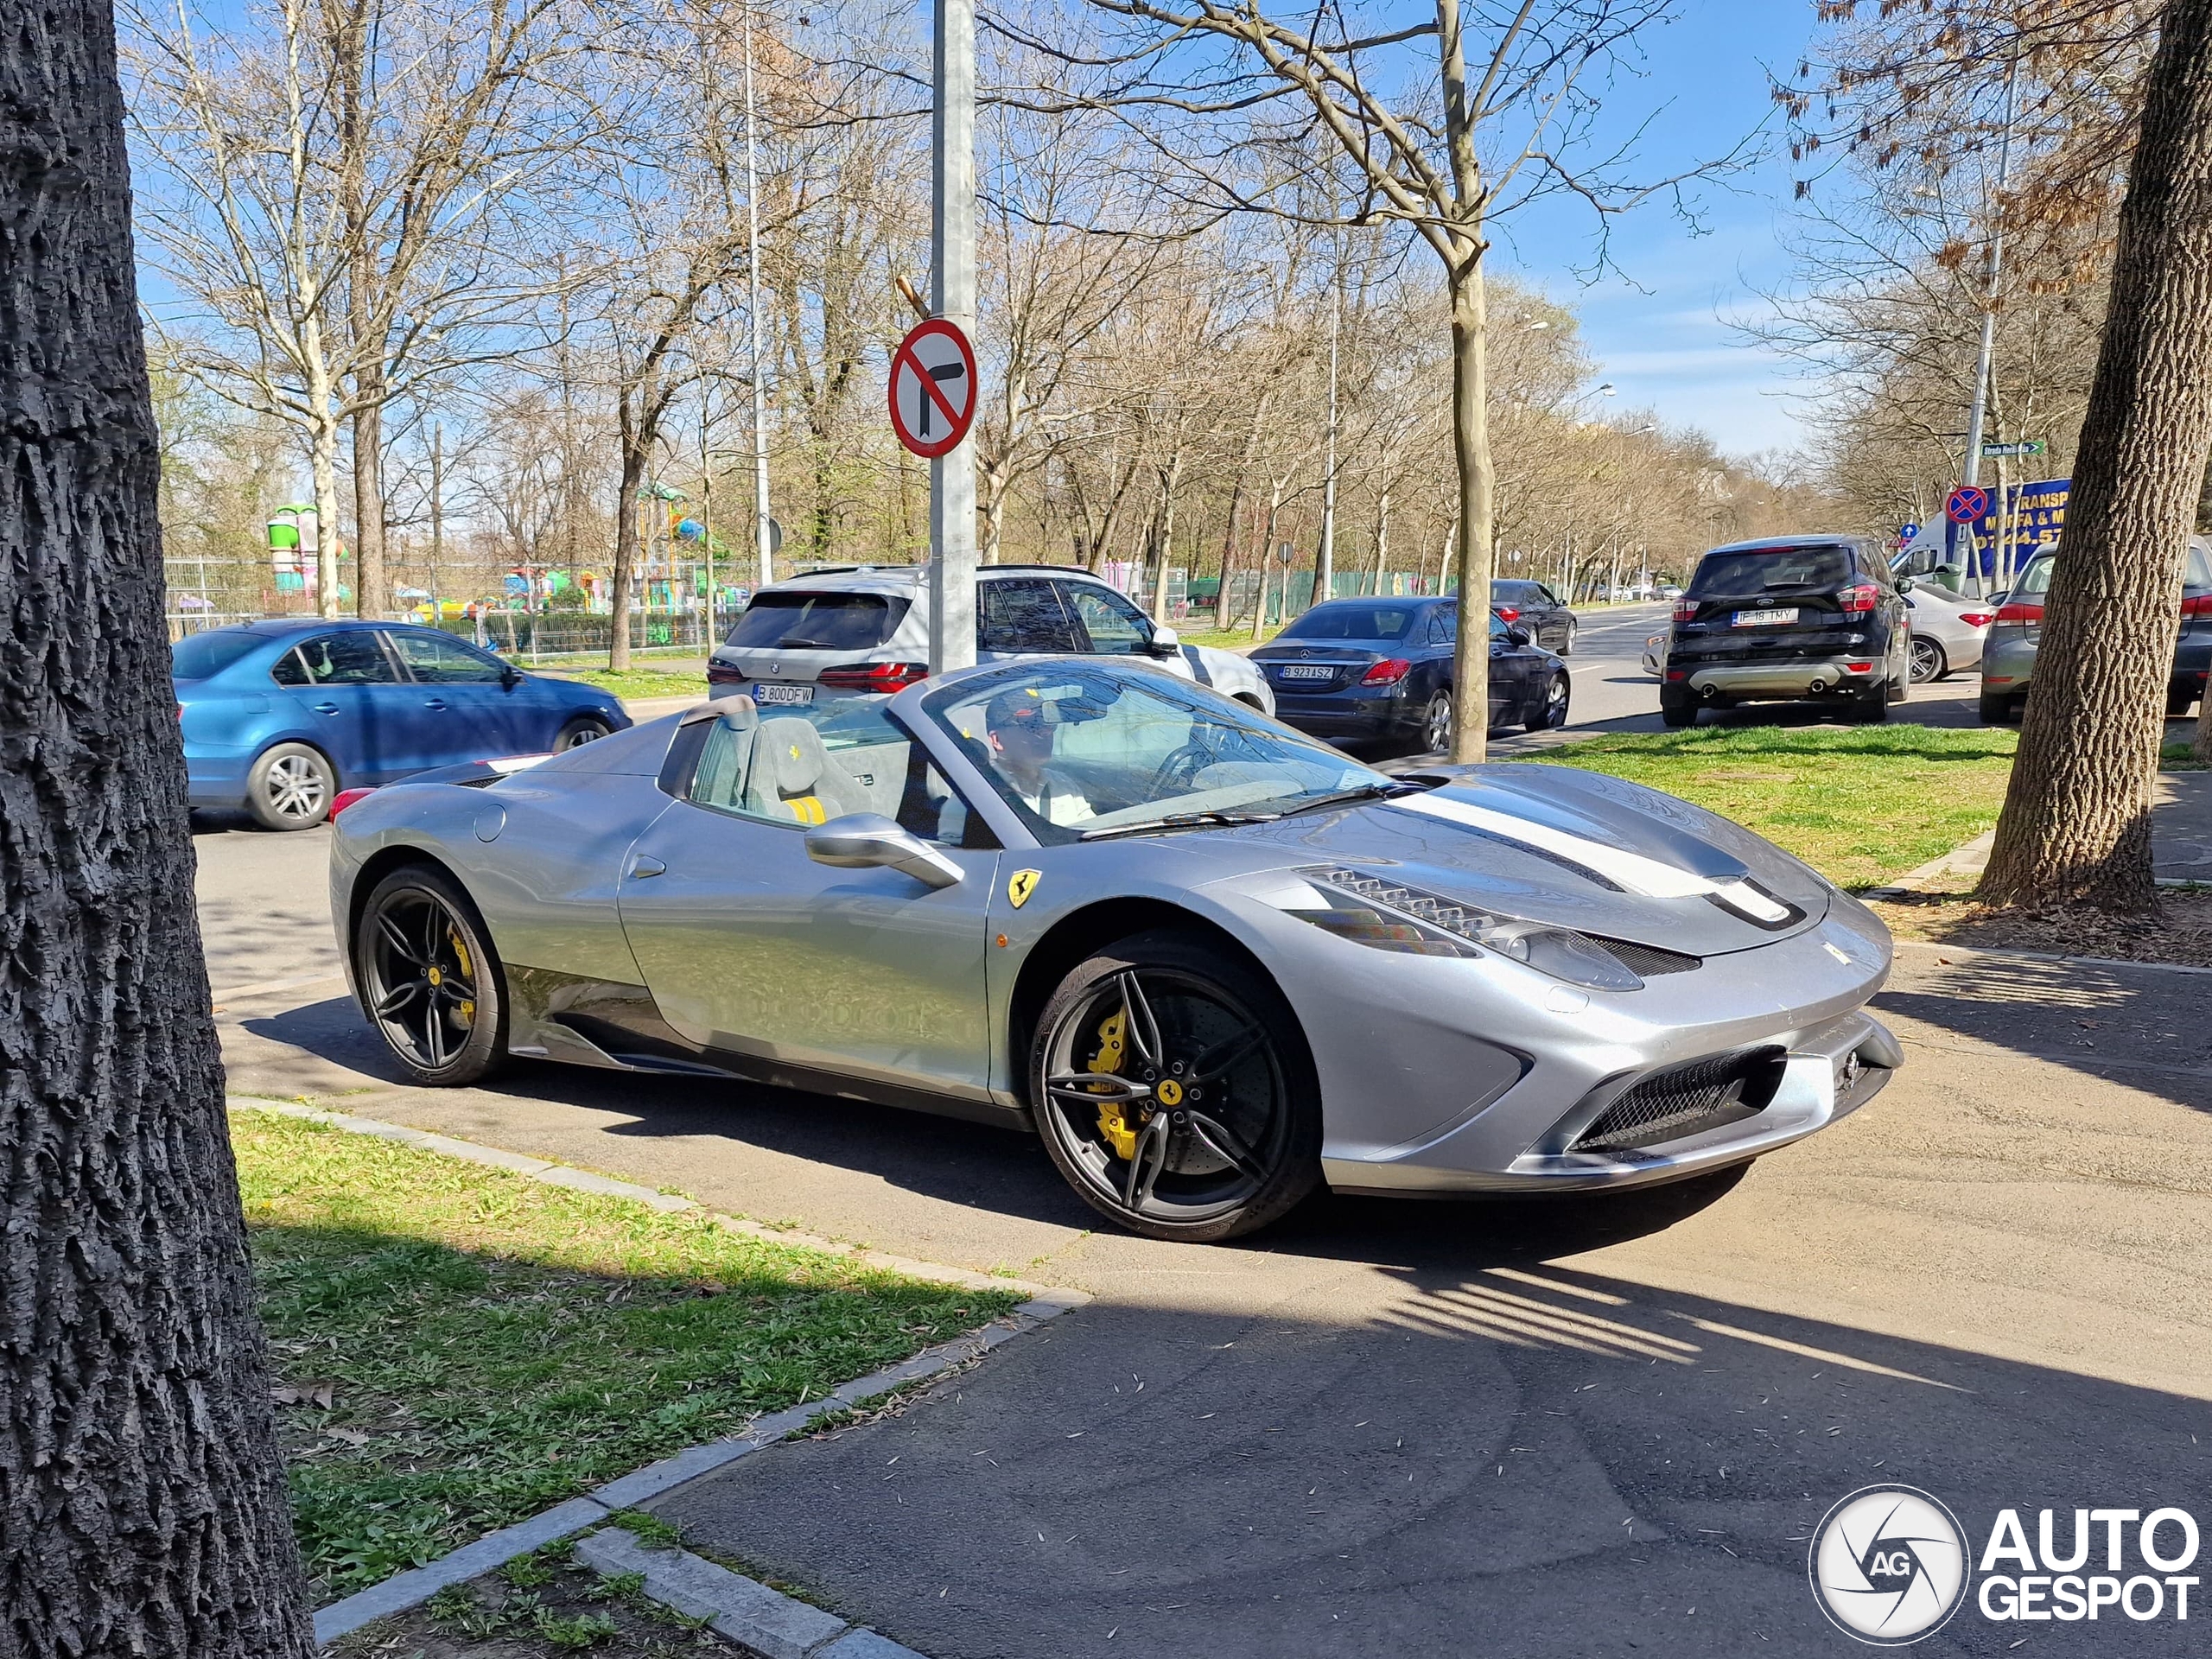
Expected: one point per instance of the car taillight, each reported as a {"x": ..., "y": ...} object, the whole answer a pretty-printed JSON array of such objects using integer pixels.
[
  {"x": 873, "y": 676},
  {"x": 1686, "y": 610},
  {"x": 346, "y": 798},
  {"x": 180, "y": 711},
  {"x": 1388, "y": 671},
  {"x": 723, "y": 674},
  {"x": 1507, "y": 612},
  {"x": 1977, "y": 619},
  {"x": 1856, "y": 601},
  {"x": 2200, "y": 606},
  {"x": 2019, "y": 613}
]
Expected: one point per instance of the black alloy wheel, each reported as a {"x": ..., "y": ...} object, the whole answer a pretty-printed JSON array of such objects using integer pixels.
[
  {"x": 1550, "y": 714},
  {"x": 1928, "y": 660},
  {"x": 1436, "y": 724},
  {"x": 1174, "y": 1092},
  {"x": 429, "y": 981}
]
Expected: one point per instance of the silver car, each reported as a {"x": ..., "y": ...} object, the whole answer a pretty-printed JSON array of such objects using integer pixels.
[
  {"x": 867, "y": 628},
  {"x": 1947, "y": 632},
  {"x": 1211, "y": 962}
]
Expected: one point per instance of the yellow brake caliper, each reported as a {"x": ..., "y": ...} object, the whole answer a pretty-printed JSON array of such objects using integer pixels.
[
  {"x": 1121, "y": 1134},
  {"x": 465, "y": 1012}
]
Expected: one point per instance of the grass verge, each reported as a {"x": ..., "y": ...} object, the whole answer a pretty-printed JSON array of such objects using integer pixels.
[
  {"x": 1861, "y": 804},
  {"x": 641, "y": 682},
  {"x": 458, "y": 1347}
]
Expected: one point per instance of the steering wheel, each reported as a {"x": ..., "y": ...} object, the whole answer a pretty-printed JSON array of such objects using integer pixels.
[{"x": 1181, "y": 769}]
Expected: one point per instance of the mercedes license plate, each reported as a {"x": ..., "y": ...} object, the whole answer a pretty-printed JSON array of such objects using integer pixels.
[
  {"x": 1308, "y": 671},
  {"x": 765, "y": 694},
  {"x": 1765, "y": 619}
]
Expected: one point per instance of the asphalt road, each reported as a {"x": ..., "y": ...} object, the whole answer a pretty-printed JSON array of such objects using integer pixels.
[{"x": 1574, "y": 1428}]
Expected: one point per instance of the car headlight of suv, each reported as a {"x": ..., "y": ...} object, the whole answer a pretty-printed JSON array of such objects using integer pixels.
[{"x": 1386, "y": 916}]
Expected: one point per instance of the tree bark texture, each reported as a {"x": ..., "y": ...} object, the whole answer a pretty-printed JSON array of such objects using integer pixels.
[
  {"x": 2076, "y": 824},
  {"x": 143, "y": 1506}
]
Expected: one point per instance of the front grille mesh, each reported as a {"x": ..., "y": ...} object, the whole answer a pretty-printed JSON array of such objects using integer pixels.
[{"x": 1686, "y": 1100}]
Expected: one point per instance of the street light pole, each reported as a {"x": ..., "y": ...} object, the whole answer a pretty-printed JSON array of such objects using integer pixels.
[
  {"x": 1325, "y": 563},
  {"x": 952, "y": 293},
  {"x": 1971, "y": 472},
  {"x": 760, "y": 521}
]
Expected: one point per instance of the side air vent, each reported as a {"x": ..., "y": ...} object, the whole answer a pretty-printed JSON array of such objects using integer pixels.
[{"x": 1685, "y": 1100}]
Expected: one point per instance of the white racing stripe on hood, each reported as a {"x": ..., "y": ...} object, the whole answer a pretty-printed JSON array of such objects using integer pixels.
[{"x": 1631, "y": 871}]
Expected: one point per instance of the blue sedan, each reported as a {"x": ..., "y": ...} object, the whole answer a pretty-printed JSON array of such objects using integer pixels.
[
  {"x": 279, "y": 716},
  {"x": 1379, "y": 670}
]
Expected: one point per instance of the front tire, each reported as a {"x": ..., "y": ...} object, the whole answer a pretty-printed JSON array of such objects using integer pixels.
[
  {"x": 429, "y": 981},
  {"x": 585, "y": 729},
  {"x": 291, "y": 787},
  {"x": 1174, "y": 1092}
]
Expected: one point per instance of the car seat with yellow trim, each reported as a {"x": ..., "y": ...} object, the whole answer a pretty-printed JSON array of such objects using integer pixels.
[{"x": 792, "y": 775}]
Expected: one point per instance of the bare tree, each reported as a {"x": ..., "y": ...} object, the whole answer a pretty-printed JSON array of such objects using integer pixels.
[{"x": 141, "y": 1494}]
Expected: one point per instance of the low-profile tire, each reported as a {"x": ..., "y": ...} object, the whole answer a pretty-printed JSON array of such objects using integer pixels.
[
  {"x": 1677, "y": 712},
  {"x": 1928, "y": 662},
  {"x": 584, "y": 728},
  {"x": 1549, "y": 713},
  {"x": 291, "y": 787},
  {"x": 429, "y": 980},
  {"x": 1996, "y": 709},
  {"x": 1436, "y": 725},
  {"x": 1202, "y": 1070}
]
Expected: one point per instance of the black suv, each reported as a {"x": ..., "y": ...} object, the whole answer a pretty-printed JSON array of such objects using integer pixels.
[{"x": 1795, "y": 619}]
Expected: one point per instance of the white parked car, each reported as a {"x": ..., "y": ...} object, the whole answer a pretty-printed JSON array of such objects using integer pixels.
[
  {"x": 867, "y": 628},
  {"x": 1948, "y": 631}
]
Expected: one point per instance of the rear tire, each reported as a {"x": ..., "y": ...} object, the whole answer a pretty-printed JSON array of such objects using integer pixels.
[
  {"x": 290, "y": 787},
  {"x": 1567, "y": 645},
  {"x": 1873, "y": 706},
  {"x": 1550, "y": 714},
  {"x": 430, "y": 982},
  {"x": 2179, "y": 700},
  {"x": 1996, "y": 709},
  {"x": 1436, "y": 725},
  {"x": 1928, "y": 662},
  {"x": 1216, "y": 1107},
  {"x": 1677, "y": 712}
]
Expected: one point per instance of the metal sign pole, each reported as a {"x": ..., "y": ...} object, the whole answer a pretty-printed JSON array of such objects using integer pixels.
[{"x": 952, "y": 293}]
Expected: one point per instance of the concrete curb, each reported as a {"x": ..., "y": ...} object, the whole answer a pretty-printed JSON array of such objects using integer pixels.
[
  {"x": 756, "y": 1618},
  {"x": 1967, "y": 859},
  {"x": 416, "y": 1585}
]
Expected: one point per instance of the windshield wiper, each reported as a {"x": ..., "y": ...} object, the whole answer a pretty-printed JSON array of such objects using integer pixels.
[
  {"x": 1346, "y": 797},
  {"x": 1178, "y": 821}
]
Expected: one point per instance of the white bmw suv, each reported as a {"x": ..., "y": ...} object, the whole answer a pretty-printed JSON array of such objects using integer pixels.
[{"x": 867, "y": 628}]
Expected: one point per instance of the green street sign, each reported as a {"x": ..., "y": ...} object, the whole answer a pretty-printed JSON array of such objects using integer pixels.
[{"x": 2002, "y": 451}]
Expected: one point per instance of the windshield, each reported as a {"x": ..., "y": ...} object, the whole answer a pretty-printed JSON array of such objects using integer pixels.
[
  {"x": 1351, "y": 619},
  {"x": 199, "y": 655},
  {"x": 1081, "y": 750},
  {"x": 799, "y": 620},
  {"x": 1747, "y": 575}
]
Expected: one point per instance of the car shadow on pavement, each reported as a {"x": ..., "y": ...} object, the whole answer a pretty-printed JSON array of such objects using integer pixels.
[{"x": 1538, "y": 1462}]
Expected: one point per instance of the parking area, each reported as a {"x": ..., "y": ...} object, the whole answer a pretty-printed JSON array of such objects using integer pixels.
[{"x": 1582, "y": 1427}]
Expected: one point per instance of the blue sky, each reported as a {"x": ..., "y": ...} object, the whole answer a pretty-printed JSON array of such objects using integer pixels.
[{"x": 1661, "y": 332}]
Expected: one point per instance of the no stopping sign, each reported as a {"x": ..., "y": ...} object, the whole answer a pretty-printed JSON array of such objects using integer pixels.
[{"x": 932, "y": 387}]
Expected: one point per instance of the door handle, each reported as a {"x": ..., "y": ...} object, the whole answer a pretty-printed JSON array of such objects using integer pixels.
[
  {"x": 434, "y": 703},
  {"x": 641, "y": 867},
  {"x": 325, "y": 708}
]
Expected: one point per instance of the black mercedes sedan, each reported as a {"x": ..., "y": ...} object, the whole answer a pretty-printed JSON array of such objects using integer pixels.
[{"x": 1379, "y": 670}]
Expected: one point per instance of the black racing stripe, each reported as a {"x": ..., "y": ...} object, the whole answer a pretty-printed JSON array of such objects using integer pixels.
[{"x": 1198, "y": 664}]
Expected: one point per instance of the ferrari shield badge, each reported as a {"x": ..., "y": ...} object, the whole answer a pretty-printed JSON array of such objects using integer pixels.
[{"x": 1020, "y": 885}]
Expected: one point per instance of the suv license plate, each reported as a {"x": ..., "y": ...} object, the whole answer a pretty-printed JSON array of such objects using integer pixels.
[
  {"x": 765, "y": 694},
  {"x": 1301, "y": 671},
  {"x": 1765, "y": 618}
]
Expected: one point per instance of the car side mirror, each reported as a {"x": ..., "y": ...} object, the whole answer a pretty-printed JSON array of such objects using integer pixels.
[
  {"x": 1166, "y": 642},
  {"x": 864, "y": 841},
  {"x": 1905, "y": 584},
  {"x": 1518, "y": 636},
  {"x": 510, "y": 676}
]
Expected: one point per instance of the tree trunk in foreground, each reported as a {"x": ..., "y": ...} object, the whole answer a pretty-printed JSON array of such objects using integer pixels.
[
  {"x": 141, "y": 1497},
  {"x": 2076, "y": 825}
]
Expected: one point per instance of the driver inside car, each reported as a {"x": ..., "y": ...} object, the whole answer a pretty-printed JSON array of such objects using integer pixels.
[{"x": 1020, "y": 725}]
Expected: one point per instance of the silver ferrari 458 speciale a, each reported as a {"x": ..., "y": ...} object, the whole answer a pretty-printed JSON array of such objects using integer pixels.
[{"x": 1212, "y": 962}]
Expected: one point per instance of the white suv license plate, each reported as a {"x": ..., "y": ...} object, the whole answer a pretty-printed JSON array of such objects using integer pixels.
[
  {"x": 786, "y": 694},
  {"x": 1297, "y": 672},
  {"x": 1765, "y": 618}
]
